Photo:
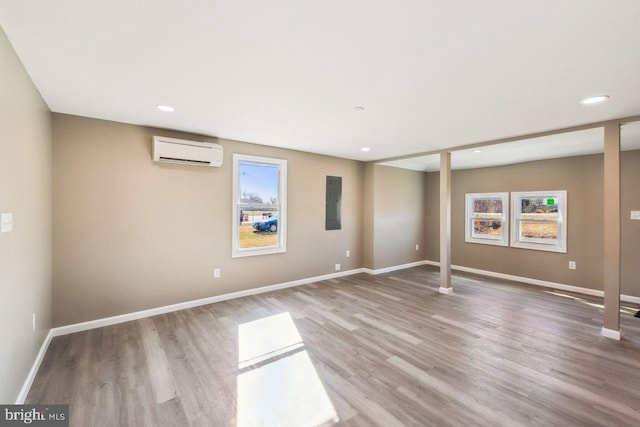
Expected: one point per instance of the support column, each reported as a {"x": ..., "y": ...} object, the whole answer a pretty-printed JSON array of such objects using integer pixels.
[
  {"x": 445, "y": 223},
  {"x": 611, "y": 328}
]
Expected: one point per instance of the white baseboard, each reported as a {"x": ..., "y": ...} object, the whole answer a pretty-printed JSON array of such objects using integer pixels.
[
  {"x": 630, "y": 298},
  {"x": 24, "y": 391},
  {"x": 393, "y": 268},
  {"x": 530, "y": 281},
  {"x": 114, "y": 320},
  {"x": 98, "y": 323},
  {"x": 537, "y": 282},
  {"x": 446, "y": 291},
  {"x": 611, "y": 333}
]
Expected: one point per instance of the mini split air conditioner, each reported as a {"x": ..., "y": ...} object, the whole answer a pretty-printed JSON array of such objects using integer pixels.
[{"x": 171, "y": 150}]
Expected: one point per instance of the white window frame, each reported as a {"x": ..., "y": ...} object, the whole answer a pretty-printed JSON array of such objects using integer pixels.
[
  {"x": 539, "y": 244},
  {"x": 282, "y": 207},
  {"x": 470, "y": 237}
]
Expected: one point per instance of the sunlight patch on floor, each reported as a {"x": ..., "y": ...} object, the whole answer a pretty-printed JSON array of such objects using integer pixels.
[
  {"x": 267, "y": 338},
  {"x": 277, "y": 382}
]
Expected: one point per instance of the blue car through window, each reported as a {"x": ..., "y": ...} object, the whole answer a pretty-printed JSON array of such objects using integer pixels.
[{"x": 270, "y": 224}]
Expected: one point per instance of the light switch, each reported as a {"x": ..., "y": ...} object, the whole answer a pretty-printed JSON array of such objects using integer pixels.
[
  {"x": 635, "y": 215},
  {"x": 6, "y": 222}
]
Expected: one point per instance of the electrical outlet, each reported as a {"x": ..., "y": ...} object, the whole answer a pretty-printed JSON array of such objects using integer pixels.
[
  {"x": 348, "y": 253},
  {"x": 33, "y": 322},
  {"x": 337, "y": 267},
  {"x": 216, "y": 273},
  {"x": 572, "y": 265},
  {"x": 6, "y": 222},
  {"x": 417, "y": 247},
  {"x": 635, "y": 215}
]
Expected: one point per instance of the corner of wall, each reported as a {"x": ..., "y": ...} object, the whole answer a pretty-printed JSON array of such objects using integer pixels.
[{"x": 26, "y": 251}]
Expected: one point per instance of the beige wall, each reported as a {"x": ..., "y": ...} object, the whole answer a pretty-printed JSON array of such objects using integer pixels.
[
  {"x": 368, "y": 231},
  {"x": 394, "y": 216},
  {"x": 630, "y": 230},
  {"x": 25, "y": 190},
  {"x": 580, "y": 176},
  {"x": 131, "y": 235},
  {"x": 432, "y": 216}
]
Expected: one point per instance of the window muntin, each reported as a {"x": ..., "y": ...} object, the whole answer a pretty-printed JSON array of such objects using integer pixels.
[
  {"x": 539, "y": 220},
  {"x": 486, "y": 218},
  {"x": 259, "y": 191}
]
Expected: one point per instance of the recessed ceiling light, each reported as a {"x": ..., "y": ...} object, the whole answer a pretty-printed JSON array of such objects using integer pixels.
[
  {"x": 595, "y": 99},
  {"x": 358, "y": 108},
  {"x": 167, "y": 108},
  {"x": 477, "y": 151},
  {"x": 365, "y": 149}
]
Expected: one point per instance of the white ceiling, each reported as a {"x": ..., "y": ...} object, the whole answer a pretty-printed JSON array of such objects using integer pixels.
[
  {"x": 430, "y": 74},
  {"x": 578, "y": 143}
]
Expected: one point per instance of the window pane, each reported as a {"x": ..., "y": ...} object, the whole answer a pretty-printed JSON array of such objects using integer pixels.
[
  {"x": 540, "y": 220},
  {"x": 258, "y": 183},
  {"x": 487, "y": 220},
  {"x": 539, "y": 230},
  {"x": 487, "y": 229},
  {"x": 258, "y": 227},
  {"x": 260, "y": 206},
  {"x": 258, "y": 210},
  {"x": 539, "y": 208},
  {"x": 487, "y": 208}
]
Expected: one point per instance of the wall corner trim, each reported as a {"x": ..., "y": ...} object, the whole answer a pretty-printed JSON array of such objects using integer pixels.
[
  {"x": 611, "y": 334},
  {"x": 446, "y": 291},
  {"x": 24, "y": 391}
]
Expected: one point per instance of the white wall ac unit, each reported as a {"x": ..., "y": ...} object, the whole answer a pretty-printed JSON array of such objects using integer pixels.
[{"x": 171, "y": 150}]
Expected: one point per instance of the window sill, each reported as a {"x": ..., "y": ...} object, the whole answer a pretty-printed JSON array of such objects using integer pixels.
[
  {"x": 539, "y": 247},
  {"x": 487, "y": 242},
  {"x": 258, "y": 251}
]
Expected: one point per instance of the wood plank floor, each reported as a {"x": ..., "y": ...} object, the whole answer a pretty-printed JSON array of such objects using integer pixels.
[{"x": 362, "y": 350}]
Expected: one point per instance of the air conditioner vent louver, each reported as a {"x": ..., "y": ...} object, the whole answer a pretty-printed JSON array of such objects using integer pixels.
[
  {"x": 174, "y": 160},
  {"x": 180, "y": 151}
]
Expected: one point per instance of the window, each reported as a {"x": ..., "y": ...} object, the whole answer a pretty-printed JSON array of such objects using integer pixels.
[
  {"x": 539, "y": 220},
  {"x": 487, "y": 216},
  {"x": 259, "y": 205}
]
